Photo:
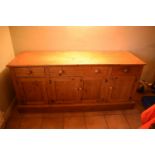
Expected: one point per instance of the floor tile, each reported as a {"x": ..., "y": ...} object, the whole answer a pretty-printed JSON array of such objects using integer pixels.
[
  {"x": 52, "y": 123},
  {"x": 95, "y": 122},
  {"x": 112, "y": 112},
  {"x": 30, "y": 123},
  {"x": 32, "y": 115},
  {"x": 115, "y": 119},
  {"x": 49, "y": 115},
  {"x": 131, "y": 111},
  {"x": 74, "y": 121},
  {"x": 15, "y": 114},
  {"x": 139, "y": 107},
  {"x": 13, "y": 123},
  {"x": 116, "y": 122},
  {"x": 95, "y": 113},
  {"x": 134, "y": 120},
  {"x": 73, "y": 114}
]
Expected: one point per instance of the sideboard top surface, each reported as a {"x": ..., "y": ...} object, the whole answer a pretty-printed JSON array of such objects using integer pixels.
[{"x": 43, "y": 58}]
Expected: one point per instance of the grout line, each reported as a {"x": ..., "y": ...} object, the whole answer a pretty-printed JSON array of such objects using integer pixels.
[
  {"x": 127, "y": 120},
  {"x": 41, "y": 124},
  {"x": 63, "y": 120},
  {"x": 19, "y": 123},
  {"x": 84, "y": 119},
  {"x": 120, "y": 115},
  {"x": 85, "y": 122},
  {"x": 106, "y": 122},
  {"x": 98, "y": 115}
]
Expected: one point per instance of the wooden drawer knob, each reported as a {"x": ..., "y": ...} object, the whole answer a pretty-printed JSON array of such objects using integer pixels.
[
  {"x": 60, "y": 72},
  {"x": 30, "y": 72},
  {"x": 125, "y": 70},
  {"x": 110, "y": 87},
  {"x": 96, "y": 71},
  {"x": 80, "y": 88}
]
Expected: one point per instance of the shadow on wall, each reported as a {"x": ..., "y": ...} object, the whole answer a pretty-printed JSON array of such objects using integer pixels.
[
  {"x": 147, "y": 54},
  {"x": 6, "y": 89},
  {"x": 149, "y": 73}
]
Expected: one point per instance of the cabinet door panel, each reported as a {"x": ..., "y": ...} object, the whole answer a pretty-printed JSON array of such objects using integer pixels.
[
  {"x": 92, "y": 89},
  {"x": 66, "y": 89},
  {"x": 121, "y": 88},
  {"x": 33, "y": 90}
]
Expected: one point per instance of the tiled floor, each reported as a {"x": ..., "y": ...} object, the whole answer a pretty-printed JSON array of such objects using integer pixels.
[{"x": 119, "y": 119}]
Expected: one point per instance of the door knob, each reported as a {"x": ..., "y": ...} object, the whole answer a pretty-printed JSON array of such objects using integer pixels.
[
  {"x": 125, "y": 70},
  {"x": 110, "y": 88},
  {"x": 60, "y": 72},
  {"x": 96, "y": 71},
  {"x": 80, "y": 88},
  {"x": 30, "y": 72}
]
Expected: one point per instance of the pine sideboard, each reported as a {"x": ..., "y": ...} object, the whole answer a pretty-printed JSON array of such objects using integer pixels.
[{"x": 75, "y": 80}]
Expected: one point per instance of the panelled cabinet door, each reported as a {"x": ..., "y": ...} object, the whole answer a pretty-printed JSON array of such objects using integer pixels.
[
  {"x": 33, "y": 90},
  {"x": 120, "y": 88},
  {"x": 93, "y": 89},
  {"x": 65, "y": 90}
]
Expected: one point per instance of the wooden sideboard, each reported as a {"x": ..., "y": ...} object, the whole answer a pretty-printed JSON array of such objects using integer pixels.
[{"x": 75, "y": 80}]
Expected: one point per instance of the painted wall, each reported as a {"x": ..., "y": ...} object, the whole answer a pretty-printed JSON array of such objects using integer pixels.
[
  {"x": 6, "y": 54},
  {"x": 139, "y": 40}
]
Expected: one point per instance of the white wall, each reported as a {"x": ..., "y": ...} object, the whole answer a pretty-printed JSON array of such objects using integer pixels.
[
  {"x": 6, "y": 54},
  {"x": 140, "y": 40}
]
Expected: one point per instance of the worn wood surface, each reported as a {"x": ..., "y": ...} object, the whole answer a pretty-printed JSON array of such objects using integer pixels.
[
  {"x": 74, "y": 58},
  {"x": 75, "y": 80}
]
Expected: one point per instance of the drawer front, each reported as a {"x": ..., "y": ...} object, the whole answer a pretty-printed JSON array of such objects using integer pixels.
[
  {"x": 30, "y": 71},
  {"x": 125, "y": 70},
  {"x": 54, "y": 71},
  {"x": 78, "y": 71},
  {"x": 67, "y": 71},
  {"x": 100, "y": 71}
]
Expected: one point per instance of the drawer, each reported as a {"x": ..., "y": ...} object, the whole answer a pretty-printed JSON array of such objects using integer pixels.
[
  {"x": 54, "y": 71},
  {"x": 30, "y": 71},
  {"x": 100, "y": 70},
  {"x": 125, "y": 70},
  {"x": 67, "y": 71},
  {"x": 78, "y": 71}
]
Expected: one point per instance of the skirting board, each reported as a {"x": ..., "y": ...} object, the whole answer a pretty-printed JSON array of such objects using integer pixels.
[{"x": 5, "y": 115}]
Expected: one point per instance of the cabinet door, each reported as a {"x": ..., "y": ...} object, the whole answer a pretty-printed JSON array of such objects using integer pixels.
[
  {"x": 93, "y": 89},
  {"x": 32, "y": 90},
  {"x": 65, "y": 90},
  {"x": 120, "y": 88}
]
